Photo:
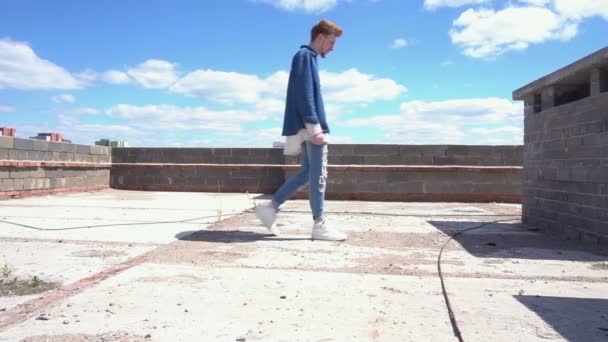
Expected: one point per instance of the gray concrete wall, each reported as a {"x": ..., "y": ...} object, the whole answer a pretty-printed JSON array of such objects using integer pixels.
[
  {"x": 198, "y": 155},
  {"x": 33, "y": 167},
  {"x": 467, "y": 155},
  {"x": 373, "y": 172},
  {"x": 565, "y": 185},
  {"x": 197, "y": 169}
]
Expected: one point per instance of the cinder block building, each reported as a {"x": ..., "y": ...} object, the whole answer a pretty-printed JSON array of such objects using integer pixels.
[{"x": 565, "y": 162}]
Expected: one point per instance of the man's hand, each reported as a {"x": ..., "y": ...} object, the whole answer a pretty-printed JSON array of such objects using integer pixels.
[{"x": 318, "y": 139}]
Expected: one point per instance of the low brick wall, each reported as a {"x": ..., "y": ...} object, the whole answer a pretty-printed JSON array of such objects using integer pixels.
[
  {"x": 437, "y": 155},
  {"x": 197, "y": 169},
  {"x": 34, "y": 167},
  {"x": 370, "y": 172}
]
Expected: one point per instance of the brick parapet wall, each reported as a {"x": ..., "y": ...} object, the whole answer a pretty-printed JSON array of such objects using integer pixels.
[
  {"x": 488, "y": 173},
  {"x": 385, "y": 172},
  {"x": 468, "y": 155},
  {"x": 198, "y": 155},
  {"x": 34, "y": 167}
]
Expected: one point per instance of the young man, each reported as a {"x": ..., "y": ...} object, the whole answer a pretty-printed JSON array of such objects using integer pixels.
[{"x": 305, "y": 128}]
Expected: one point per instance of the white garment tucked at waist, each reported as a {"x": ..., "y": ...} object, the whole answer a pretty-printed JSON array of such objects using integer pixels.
[{"x": 293, "y": 143}]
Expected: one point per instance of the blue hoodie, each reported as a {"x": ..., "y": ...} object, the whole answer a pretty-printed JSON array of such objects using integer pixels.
[{"x": 304, "y": 104}]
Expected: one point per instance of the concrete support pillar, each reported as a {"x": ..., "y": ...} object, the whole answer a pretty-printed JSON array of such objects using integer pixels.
[
  {"x": 599, "y": 81},
  {"x": 529, "y": 105},
  {"x": 548, "y": 98}
]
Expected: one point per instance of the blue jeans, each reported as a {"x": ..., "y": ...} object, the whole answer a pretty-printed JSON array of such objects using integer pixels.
[{"x": 313, "y": 171}]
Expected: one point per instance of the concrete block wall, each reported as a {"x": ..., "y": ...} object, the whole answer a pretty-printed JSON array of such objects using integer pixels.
[
  {"x": 423, "y": 172},
  {"x": 384, "y": 154},
  {"x": 34, "y": 167},
  {"x": 197, "y": 169},
  {"x": 372, "y": 172},
  {"x": 462, "y": 184},
  {"x": 198, "y": 155},
  {"x": 565, "y": 175}
]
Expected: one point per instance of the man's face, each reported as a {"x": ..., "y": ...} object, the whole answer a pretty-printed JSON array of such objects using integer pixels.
[{"x": 327, "y": 44}]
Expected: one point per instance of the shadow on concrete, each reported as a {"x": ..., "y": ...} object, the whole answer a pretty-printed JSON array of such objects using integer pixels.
[
  {"x": 233, "y": 236},
  {"x": 182, "y": 235},
  {"x": 576, "y": 319},
  {"x": 517, "y": 241}
]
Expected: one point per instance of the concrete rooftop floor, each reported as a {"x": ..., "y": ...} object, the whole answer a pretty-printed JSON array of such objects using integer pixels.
[{"x": 211, "y": 272}]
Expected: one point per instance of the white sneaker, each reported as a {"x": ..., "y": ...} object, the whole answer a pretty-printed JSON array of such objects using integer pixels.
[
  {"x": 320, "y": 231},
  {"x": 268, "y": 215}
]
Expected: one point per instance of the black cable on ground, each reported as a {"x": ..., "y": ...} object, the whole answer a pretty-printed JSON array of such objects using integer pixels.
[
  {"x": 222, "y": 215},
  {"x": 453, "y": 320},
  {"x": 117, "y": 224}
]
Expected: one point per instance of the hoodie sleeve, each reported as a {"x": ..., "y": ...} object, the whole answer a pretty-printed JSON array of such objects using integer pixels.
[{"x": 305, "y": 88}]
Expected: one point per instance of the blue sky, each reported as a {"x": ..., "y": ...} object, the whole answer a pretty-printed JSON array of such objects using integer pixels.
[{"x": 213, "y": 73}]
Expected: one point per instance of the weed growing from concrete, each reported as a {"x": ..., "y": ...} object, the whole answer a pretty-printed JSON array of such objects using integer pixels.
[
  {"x": 6, "y": 271},
  {"x": 252, "y": 200},
  {"x": 219, "y": 213},
  {"x": 16, "y": 287},
  {"x": 36, "y": 281},
  {"x": 219, "y": 209},
  {"x": 601, "y": 266}
]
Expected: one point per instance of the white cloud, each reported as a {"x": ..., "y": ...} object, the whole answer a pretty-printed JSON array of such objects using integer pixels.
[
  {"x": 272, "y": 107},
  {"x": 21, "y": 68},
  {"x": 352, "y": 86},
  {"x": 461, "y": 107},
  {"x": 486, "y": 33},
  {"x": 341, "y": 139},
  {"x": 447, "y": 122},
  {"x": 169, "y": 125},
  {"x": 87, "y": 111},
  {"x": 4, "y": 108},
  {"x": 276, "y": 84},
  {"x": 335, "y": 110},
  {"x": 539, "y": 3},
  {"x": 399, "y": 43},
  {"x": 86, "y": 133},
  {"x": 154, "y": 73},
  {"x": 80, "y": 111},
  {"x": 166, "y": 118},
  {"x": 308, "y": 6},
  {"x": 220, "y": 86},
  {"x": 193, "y": 142},
  {"x": 116, "y": 77},
  {"x": 493, "y": 131},
  {"x": 63, "y": 98},
  {"x": 87, "y": 77},
  {"x": 434, "y": 4},
  {"x": 260, "y": 138},
  {"x": 579, "y": 9},
  {"x": 268, "y": 93},
  {"x": 512, "y": 140}
]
